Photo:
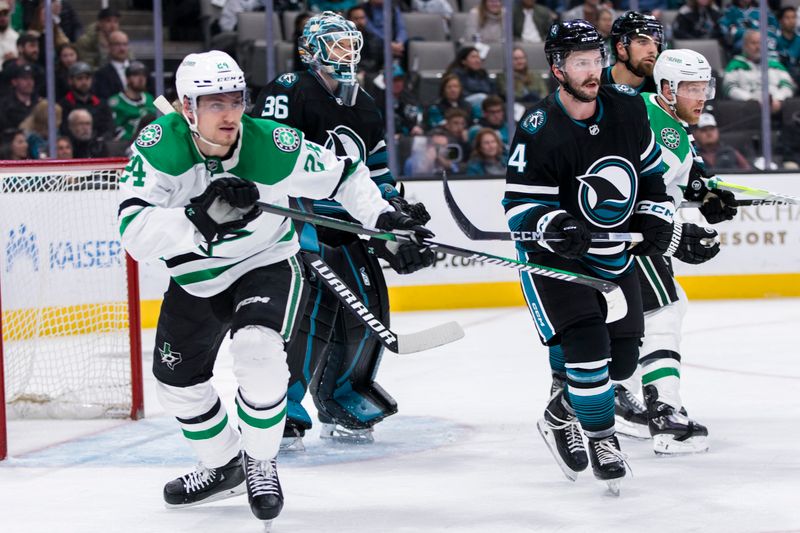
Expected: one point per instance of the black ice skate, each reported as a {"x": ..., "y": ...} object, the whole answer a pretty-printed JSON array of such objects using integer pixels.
[
  {"x": 630, "y": 414},
  {"x": 673, "y": 432},
  {"x": 293, "y": 433},
  {"x": 608, "y": 462},
  {"x": 205, "y": 485},
  {"x": 561, "y": 432},
  {"x": 263, "y": 487}
]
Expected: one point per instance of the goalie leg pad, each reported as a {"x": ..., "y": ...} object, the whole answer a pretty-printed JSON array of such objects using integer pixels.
[
  {"x": 203, "y": 420},
  {"x": 344, "y": 390}
]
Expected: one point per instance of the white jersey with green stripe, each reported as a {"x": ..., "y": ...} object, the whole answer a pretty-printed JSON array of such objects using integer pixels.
[
  {"x": 677, "y": 150},
  {"x": 166, "y": 170}
]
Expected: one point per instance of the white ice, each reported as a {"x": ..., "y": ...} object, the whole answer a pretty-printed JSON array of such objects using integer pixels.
[{"x": 463, "y": 453}]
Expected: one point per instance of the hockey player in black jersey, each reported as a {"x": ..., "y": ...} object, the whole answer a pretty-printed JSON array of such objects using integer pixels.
[
  {"x": 636, "y": 41},
  {"x": 584, "y": 159},
  {"x": 333, "y": 352}
]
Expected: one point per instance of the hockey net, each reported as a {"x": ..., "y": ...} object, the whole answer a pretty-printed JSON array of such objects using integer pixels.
[{"x": 70, "y": 343}]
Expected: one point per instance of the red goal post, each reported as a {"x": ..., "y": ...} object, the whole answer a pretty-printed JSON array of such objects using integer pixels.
[{"x": 70, "y": 331}]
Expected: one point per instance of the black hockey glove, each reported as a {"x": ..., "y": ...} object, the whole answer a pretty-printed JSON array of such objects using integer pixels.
[
  {"x": 398, "y": 221},
  {"x": 577, "y": 237},
  {"x": 416, "y": 211},
  {"x": 226, "y": 205},
  {"x": 693, "y": 244},
  {"x": 404, "y": 258},
  {"x": 718, "y": 205},
  {"x": 654, "y": 221}
]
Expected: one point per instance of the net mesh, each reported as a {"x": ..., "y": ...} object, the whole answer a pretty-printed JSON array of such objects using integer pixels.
[{"x": 64, "y": 295}]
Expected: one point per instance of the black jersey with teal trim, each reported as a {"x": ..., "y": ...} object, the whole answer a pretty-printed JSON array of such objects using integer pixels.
[
  {"x": 596, "y": 169},
  {"x": 647, "y": 86},
  {"x": 298, "y": 99}
]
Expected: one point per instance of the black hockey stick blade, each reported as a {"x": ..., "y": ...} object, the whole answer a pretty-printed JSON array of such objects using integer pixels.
[
  {"x": 399, "y": 343},
  {"x": 615, "y": 298},
  {"x": 474, "y": 233}
]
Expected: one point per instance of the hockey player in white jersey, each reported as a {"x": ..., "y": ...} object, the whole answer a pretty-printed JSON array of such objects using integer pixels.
[
  {"x": 190, "y": 191},
  {"x": 684, "y": 82}
]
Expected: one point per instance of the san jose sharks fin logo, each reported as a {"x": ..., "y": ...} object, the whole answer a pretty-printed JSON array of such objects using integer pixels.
[
  {"x": 607, "y": 191},
  {"x": 346, "y": 142}
]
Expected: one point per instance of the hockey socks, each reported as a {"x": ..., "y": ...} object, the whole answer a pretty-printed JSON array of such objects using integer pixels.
[{"x": 591, "y": 394}]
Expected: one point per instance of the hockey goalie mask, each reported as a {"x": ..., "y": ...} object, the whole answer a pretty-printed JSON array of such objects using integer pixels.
[
  {"x": 332, "y": 44},
  {"x": 687, "y": 73}
]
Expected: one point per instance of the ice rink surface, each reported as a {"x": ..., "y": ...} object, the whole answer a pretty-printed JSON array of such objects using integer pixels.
[{"x": 463, "y": 454}]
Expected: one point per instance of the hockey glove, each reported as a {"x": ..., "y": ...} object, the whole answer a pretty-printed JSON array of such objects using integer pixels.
[
  {"x": 404, "y": 258},
  {"x": 654, "y": 221},
  {"x": 718, "y": 205},
  {"x": 693, "y": 244},
  {"x": 577, "y": 238},
  {"x": 398, "y": 221},
  {"x": 416, "y": 211},
  {"x": 226, "y": 205}
]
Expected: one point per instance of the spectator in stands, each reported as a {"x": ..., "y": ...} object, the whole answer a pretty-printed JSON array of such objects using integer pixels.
[
  {"x": 605, "y": 20},
  {"x": 788, "y": 44},
  {"x": 64, "y": 147},
  {"x": 299, "y": 23},
  {"x": 37, "y": 25},
  {"x": 485, "y": 22},
  {"x": 133, "y": 104},
  {"x": 740, "y": 16},
  {"x": 697, "y": 19},
  {"x": 529, "y": 87},
  {"x": 68, "y": 20},
  {"x": 35, "y": 127},
  {"x": 487, "y": 155},
  {"x": 437, "y": 7},
  {"x": 17, "y": 105},
  {"x": 494, "y": 118},
  {"x": 372, "y": 50},
  {"x": 407, "y": 111},
  {"x": 339, "y": 6},
  {"x": 374, "y": 11},
  {"x": 589, "y": 10},
  {"x": 111, "y": 78},
  {"x": 27, "y": 54},
  {"x": 742, "y": 79},
  {"x": 8, "y": 36},
  {"x": 450, "y": 96},
  {"x": 15, "y": 146},
  {"x": 716, "y": 155},
  {"x": 431, "y": 155},
  {"x": 475, "y": 81},
  {"x": 80, "y": 97},
  {"x": 81, "y": 133},
  {"x": 93, "y": 45},
  {"x": 531, "y": 21},
  {"x": 653, "y": 7},
  {"x": 66, "y": 56},
  {"x": 229, "y": 17},
  {"x": 455, "y": 124}
]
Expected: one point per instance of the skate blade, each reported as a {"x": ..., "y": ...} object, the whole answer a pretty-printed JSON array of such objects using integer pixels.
[
  {"x": 631, "y": 430},
  {"x": 267, "y": 525},
  {"x": 224, "y": 495},
  {"x": 549, "y": 440},
  {"x": 613, "y": 487},
  {"x": 292, "y": 444},
  {"x": 666, "y": 445},
  {"x": 339, "y": 435}
]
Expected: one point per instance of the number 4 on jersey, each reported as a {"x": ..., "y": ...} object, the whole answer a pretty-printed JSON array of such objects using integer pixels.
[{"x": 517, "y": 158}]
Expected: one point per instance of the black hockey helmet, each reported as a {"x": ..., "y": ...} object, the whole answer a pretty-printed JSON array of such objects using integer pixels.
[
  {"x": 634, "y": 23},
  {"x": 570, "y": 36}
]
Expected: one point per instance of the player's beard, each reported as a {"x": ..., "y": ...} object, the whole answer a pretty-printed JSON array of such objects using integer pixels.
[
  {"x": 640, "y": 69},
  {"x": 579, "y": 93}
]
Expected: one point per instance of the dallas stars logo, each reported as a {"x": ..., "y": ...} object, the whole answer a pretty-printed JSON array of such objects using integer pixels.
[
  {"x": 671, "y": 138},
  {"x": 168, "y": 357},
  {"x": 149, "y": 136},
  {"x": 286, "y": 139}
]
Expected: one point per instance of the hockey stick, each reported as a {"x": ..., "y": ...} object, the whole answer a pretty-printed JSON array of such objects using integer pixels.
[
  {"x": 716, "y": 183},
  {"x": 749, "y": 202},
  {"x": 474, "y": 233},
  {"x": 613, "y": 295},
  {"x": 398, "y": 343}
]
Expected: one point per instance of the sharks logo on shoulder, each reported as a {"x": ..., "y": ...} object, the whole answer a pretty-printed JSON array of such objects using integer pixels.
[
  {"x": 607, "y": 191},
  {"x": 345, "y": 142},
  {"x": 287, "y": 80},
  {"x": 624, "y": 89}
]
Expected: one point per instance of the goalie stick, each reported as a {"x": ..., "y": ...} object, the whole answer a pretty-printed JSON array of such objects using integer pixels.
[
  {"x": 398, "y": 343},
  {"x": 613, "y": 295},
  {"x": 474, "y": 233}
]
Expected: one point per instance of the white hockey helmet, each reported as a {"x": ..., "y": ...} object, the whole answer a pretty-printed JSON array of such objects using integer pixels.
[
  {"x": 211, "y": 72},
  {"x": 675, "y": 66}
]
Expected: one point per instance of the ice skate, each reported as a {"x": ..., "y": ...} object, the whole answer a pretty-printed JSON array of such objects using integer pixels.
[
  {"x": 561, "y": 432},
  {"x": 338, "y": 433},
  {"x": 263, "y": 488},
  {"x": 293, "y": 434},
  {"x": 205, "y": 485},
  {"x": 672, "y": 430},
  {"x": 608, "y": 461},
  {"x": 630, "y": 414}
]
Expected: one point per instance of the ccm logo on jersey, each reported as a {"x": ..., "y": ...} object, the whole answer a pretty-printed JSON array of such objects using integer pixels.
[
  {"x": 663, "y": 210},
  {"x": 252, "y": 300}
]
